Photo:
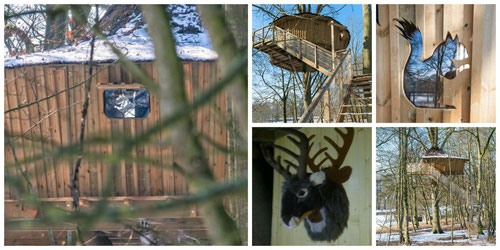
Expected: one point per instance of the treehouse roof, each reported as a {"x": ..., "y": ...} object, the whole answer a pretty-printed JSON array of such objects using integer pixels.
[
  {"x": 307, "y": 16},
  {"x": 445, "y": 163},
  {"x": 193, "y": 43}
]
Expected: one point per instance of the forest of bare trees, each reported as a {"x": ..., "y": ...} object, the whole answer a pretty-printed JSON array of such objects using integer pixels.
[{"x": 423, "y": 190}]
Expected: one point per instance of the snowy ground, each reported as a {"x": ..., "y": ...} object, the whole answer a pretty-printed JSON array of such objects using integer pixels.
[{"x": 425, "y": 237}]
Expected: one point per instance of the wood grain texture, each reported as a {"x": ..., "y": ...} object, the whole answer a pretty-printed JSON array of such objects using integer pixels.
[
  {"x": 468, "y": 92},
  {"x": 57, "y": 122}
]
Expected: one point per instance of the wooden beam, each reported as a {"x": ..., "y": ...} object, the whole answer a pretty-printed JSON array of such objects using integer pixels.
[
  {"x": 181, "y": 223},
  {"x": 15, "y": 209}
]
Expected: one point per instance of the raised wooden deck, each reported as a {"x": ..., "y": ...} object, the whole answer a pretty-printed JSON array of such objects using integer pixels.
[{"x": 291, "y": 52}]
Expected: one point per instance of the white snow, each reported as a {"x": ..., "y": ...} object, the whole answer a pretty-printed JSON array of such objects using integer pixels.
[
  {"x": 193, "y": 44},
  {"x": 424, "y": 236}
]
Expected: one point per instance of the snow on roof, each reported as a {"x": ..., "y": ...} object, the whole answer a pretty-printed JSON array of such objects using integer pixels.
[
  {"x": 193, "y": 43},
  {"x": 443, "y": 156}
]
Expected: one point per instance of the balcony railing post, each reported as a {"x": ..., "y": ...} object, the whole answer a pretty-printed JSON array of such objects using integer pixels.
[{"x": 284, "y": 35}]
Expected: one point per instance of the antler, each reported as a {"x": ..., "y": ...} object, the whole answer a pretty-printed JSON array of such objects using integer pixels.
[
  {"x": 302, "y": 143},
  {"x": 335, "y": 172}
]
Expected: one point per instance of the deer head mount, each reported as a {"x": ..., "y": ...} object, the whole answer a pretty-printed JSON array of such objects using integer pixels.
[{"x": 317, "y": 197}]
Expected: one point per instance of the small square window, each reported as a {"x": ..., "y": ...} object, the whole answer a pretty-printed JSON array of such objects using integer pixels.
[{"x": 126, "y": 103}]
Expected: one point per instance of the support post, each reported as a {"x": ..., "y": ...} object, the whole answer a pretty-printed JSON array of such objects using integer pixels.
[
  {"x": 333, "y": 44},
  {"x": 316, "y": 55},
  {"x": 284, "y": 35}
]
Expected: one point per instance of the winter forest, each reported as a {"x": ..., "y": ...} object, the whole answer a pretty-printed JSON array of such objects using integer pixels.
[
  {"x": 436, "y": 186},
  {"x": 286, "y": 95},
  {"x": 97, "y": 101}
]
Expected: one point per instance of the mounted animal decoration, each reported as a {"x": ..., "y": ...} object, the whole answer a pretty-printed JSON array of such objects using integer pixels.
[
  {"x": 317, "y": 197},
  {"x": 422, "y": 81}
]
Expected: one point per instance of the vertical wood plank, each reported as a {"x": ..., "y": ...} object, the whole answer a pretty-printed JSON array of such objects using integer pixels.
[
  {"x": 53, "y": 187},
  {"x": 33, "y": 118},
  {"x": 395, "y": 69},
  {"x": 55, "y": 131},
  {"x": 383, "y": 100},
  {"x": 62, "y": 74},
  {"x": 155, "y": 178},
  {"x": 456, "y": 90},
  {"x": 20, "y": 83},
  {"x": 483, "y": 65},
  {"x": 408, "y": 111}
]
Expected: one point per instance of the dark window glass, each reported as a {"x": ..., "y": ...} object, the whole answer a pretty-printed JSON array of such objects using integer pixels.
[{"x": 126, "y": 103}]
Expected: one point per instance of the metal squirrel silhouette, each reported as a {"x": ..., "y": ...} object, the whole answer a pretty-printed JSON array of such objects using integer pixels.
[
  {"x": 422, "y": 81},
  {"x": 318, "y": 198}
]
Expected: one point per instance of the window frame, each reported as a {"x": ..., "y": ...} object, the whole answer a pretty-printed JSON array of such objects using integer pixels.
[{"x": 102, "y": 87}]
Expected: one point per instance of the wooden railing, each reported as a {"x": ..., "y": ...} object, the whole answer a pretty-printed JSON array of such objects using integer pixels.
[
  {"x": 308, "y": 52},
  {"x": 338, "y": 91}
]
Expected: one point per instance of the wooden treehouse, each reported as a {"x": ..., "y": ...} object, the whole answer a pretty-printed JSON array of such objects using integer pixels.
[
  {"x": 45, "y": 98},
  {"x": 309, "y": 42},
  {"x": 439, "y": 167}
]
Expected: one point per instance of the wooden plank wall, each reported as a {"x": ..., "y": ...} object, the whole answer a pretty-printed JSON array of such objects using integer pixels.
[
  {"x": 358, "y": 189},
  {"x": 473, "y": 89},
  {"x": 57, "y": 122}
]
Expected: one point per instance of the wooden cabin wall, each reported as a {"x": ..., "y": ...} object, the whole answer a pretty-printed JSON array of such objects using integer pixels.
[
  {"x": 472, "y": 92},
  {"x": 57, "y": 121},
  {"x": 318, "y": 32},
  {"x": 358, "y": 189}
]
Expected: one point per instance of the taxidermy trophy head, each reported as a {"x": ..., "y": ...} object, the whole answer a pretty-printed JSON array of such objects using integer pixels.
[
  {"x": 317, "y": 198},
  {"x": 423, "y": 79}
]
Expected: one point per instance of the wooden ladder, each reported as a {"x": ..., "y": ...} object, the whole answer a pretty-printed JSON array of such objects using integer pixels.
[{"x": 357, "y": 103}]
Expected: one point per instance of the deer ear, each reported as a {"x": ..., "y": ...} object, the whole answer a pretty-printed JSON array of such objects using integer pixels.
[{"x": 317, "y": 178}]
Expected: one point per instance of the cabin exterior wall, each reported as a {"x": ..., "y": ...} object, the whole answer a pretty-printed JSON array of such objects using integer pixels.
[{"x": 56, "y": 122}]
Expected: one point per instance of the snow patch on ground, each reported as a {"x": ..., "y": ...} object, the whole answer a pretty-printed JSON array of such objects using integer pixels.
[
  {"x": 424, "y": 236},
  {"x": 193, "y": 43}
]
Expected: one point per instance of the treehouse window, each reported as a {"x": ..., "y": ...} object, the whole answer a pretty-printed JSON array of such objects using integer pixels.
[{"x": 126, "y": 103}]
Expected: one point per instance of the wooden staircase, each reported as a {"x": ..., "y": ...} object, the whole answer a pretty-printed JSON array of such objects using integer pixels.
[
  {"x": 426, "y": 169},
  {"x": 293, "y": 53},
  {"x": 357, "y": 103}
]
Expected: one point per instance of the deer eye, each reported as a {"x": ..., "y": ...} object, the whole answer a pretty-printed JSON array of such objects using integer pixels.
[{"x": 302, "y": 193}]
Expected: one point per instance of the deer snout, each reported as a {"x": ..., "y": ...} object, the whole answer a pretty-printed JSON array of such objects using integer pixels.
[
  {"x": 294, "y": 221},
  {"x": 291, "y": 222}
]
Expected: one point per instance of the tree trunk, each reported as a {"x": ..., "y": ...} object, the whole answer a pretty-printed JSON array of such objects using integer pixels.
[
  {"x": 295, "y": 115},
  {"x": 404, "y": 186},
  {"x": 307, "y": 89},
  {"x": 436, "y": 226},
  {"x": 367, "y": 39},
  {"x": 283, "y": 110},
  {"x": 415, "y": 212},
  {"x": 478, "y": 187}
]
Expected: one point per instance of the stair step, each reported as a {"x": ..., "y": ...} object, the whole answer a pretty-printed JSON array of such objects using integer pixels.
[
  {"x": 361, "y": 86},
  {"x": 361, "y": 98},
  {"x": 356, "y": 106},
  {"x": 355, "y": 114},
  {"x": 360, "y": 93}
]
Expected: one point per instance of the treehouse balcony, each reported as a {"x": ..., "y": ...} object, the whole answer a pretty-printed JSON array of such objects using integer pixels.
[{"x": 293, "y": 53}]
